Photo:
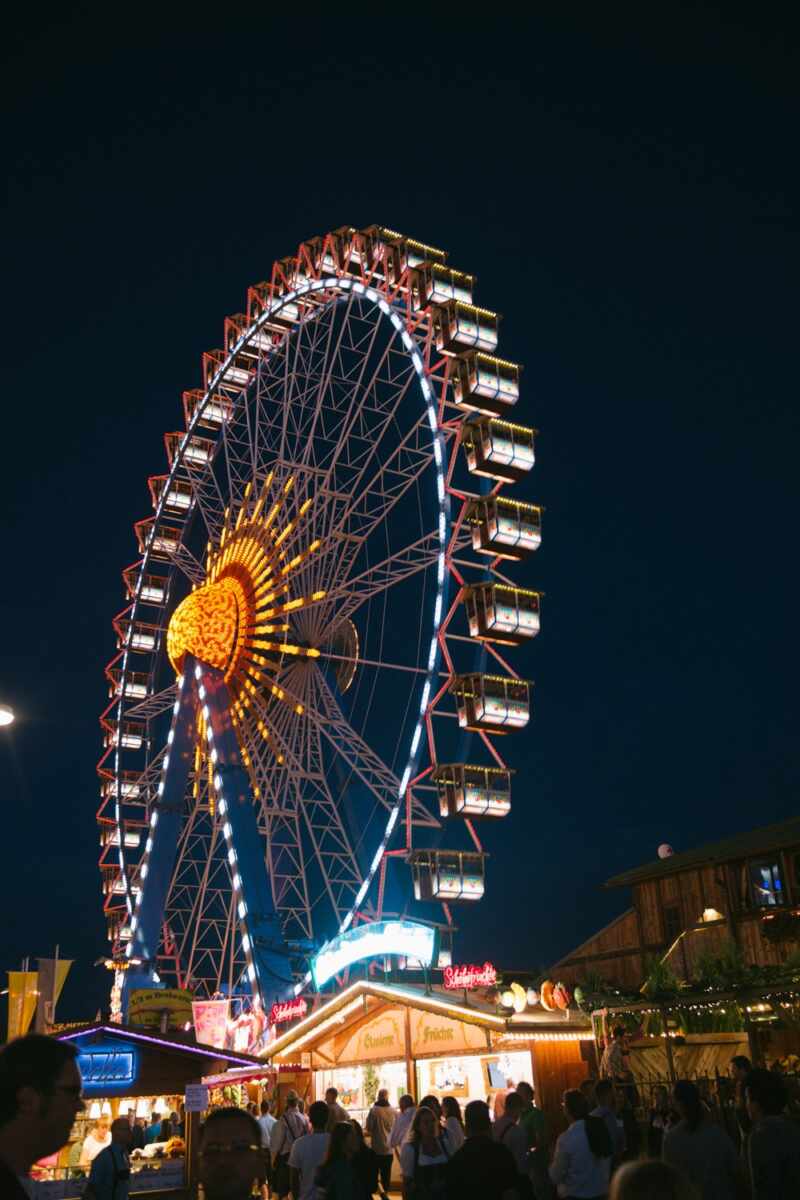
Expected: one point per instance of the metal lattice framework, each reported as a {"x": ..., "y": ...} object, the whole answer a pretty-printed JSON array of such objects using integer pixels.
[{"x": 353, "y": 427}]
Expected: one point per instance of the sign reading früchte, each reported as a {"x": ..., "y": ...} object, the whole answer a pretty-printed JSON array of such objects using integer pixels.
[
  {"x": 470, "y": 977},
  {"x": 288, "y": 1010}
]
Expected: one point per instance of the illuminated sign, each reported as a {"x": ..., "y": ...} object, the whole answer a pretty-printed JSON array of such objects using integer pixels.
[
  {"x": 470, "y": 977},
  {"x": 107, "y": 1066},
  {"x": 374, "y": 940},
  {"x": 287, "y": 1010}
]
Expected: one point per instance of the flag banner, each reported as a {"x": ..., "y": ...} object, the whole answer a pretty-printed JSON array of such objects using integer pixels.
[
  {"x": 52, "y": 976},
  {"x": 22, "y": 996},
  {"x": 211, "y": 1022}
]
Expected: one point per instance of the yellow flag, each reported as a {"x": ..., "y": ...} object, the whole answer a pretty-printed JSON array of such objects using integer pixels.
[
  {"x": 52, "y": 974},
  {"x": 23, "y": 993}
]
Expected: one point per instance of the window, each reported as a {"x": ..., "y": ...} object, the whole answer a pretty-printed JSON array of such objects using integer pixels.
[
  {"x": 767, "y": 883},
  {"x": 672, "y": 922}
]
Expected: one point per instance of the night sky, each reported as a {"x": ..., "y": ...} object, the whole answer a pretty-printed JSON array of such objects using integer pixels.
[{"x": 625, "y": 193}]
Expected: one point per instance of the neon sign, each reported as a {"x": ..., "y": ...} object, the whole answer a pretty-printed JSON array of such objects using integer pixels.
[
  {"x": 408, "y": 938},
  {"x": 287, "y": 1010},
  {"x": 107, "y": 1066},
  {"x": 470, "y": 977}
]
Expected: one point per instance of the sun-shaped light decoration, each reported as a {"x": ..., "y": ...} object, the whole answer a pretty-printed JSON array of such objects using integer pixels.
[{"x": 236, "y": 620}]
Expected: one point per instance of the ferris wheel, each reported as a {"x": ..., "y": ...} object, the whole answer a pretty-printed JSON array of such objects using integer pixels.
[{"x": 312, "y": 665}]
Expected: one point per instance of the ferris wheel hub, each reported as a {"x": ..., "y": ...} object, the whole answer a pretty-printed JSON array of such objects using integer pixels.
[{"x": 205, "y": 625}]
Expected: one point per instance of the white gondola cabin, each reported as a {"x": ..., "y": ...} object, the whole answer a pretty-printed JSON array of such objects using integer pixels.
[
  {"x": 434, "y": 283},
  {"x": 197, "y": 451},
  {"x": 497, "y": 612},
  {"x": 129, "y": 786},
  {"x": 137, "y": 684},
  {"x": 153, "y": 587},
  {"x": 215, "y": 413},
  {"x": 259, "y": 341},
  {"x": 110, "y": 837},
  {"x": 467, "y": 790},
  {"x": 462, "y": 327},
  {"x": 136, "y": 635},
  {"x": 129, "y": 735},
  {"x": 503, "y": 528},
  {"x": 165, "y": 539},
  {"x": 403, "y": 253},
  {"x": 495, "y": 703},
  {"x": 497, "y": 449},
  {"x": 486, "y": 384},
  {"x": 451, "y": 875},
  {"x": 178, "y": 498}
]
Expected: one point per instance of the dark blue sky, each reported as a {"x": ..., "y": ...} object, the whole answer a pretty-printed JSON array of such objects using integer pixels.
[{"x": 625, "y": 191}]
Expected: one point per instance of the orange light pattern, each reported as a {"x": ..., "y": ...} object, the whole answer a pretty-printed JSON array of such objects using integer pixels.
[{"x": 237, "y": 620}]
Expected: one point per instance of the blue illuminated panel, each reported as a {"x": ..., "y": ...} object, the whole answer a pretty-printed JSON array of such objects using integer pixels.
[{"x": 107, "y": 1067}]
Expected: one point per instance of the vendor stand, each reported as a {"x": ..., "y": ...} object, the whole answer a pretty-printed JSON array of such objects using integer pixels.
[
  {"x": 126, "y": 1068},
  {"x": 428, "y": 1040}
]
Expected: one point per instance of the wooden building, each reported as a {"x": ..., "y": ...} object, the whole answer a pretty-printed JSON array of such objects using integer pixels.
[{"x": 690, "y": 903}]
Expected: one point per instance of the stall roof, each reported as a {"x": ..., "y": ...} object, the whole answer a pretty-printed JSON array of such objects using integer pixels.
[
  {"x": 173, "y": 1041},
  {"x": 478, "y": 1011}
]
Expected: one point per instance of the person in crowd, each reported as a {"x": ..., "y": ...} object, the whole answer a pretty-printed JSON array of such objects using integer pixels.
[
  {"x": 96, "y": 1140},
  {"x": 137, "y": 1134},
  {"x": 482, "y": 1169},
  {"x": 453, "y": 1124},
  {"x": 266, "y": 1122},
  {"x": 700, "y": 1149},
  {"x": 230, "y": 1161},
  {"x": 165, "y": 1130},
  {"x": 308, "y": 1153},
  {"x": 402, "y": 1125},
  {"x": 153, "y": 1130},
  {"x": 423, "y": 1157},
  {"x": 40, "y": 1097},
  {"x": 181, "y": 1129},
  {"x": 336, "y": 1114},
  {"x": 380, "y": 1123},
  {"x": 614, "y": 1064},
  {"x": 287, "y": 1129},
  {"x": 586, "y": 1088},
  {"x": 365, "y": 1165},
  {"x": 740, "y": 1068},
  {"x": 335, "y": 1179},
  {"x": 581, "y": 1163},
  {"x": 606, "y": 1108},
  {"x": 434, "y": 1104},
  {"x": 509, "y": 1132},
  {"x": 651, "y": 1180},
  {"x": 659, "y": 1121},
  {"x": 532, "y": 1119},
  {"x": 773, "y": 1144},
  {"x": 110, "y": 1174},
  {"x": 499, "y": 1104}
]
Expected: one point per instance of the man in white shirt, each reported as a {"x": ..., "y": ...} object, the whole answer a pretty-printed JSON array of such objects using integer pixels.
[
  {"x": 402, "y": 1122},
  {"x": 308, "y": 1153},
  {"x": 267, "y": 1123}
]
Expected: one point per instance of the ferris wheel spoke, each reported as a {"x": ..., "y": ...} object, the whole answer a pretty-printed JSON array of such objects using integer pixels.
[
  {"x": 154, "y": 705},
  {"x": 356, "y": 753},
  {"x": 342, "y": 602}
]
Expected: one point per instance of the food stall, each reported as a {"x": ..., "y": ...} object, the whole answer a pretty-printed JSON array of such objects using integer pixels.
[
  {"x": 433, "y": 1040},
  {"x": 128, "y": 1068}
]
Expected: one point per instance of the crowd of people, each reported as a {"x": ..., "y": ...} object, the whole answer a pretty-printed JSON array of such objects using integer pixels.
[{"x": 441, "y": 1153}]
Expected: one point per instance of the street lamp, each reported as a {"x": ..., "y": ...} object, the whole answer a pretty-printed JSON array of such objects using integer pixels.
[{"x": 6, "y": 714}]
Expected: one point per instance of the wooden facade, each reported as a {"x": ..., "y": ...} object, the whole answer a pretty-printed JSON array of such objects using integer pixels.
[{"x": 688, "y": 904}]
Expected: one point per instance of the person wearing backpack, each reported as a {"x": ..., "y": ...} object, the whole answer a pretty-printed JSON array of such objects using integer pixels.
[
  {"x": 581, "y": 1165},
  {"x": 285, "y": 1132},
  {"x": 423, "y": 1158},
  {"x": 110, "y": 1174}
]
